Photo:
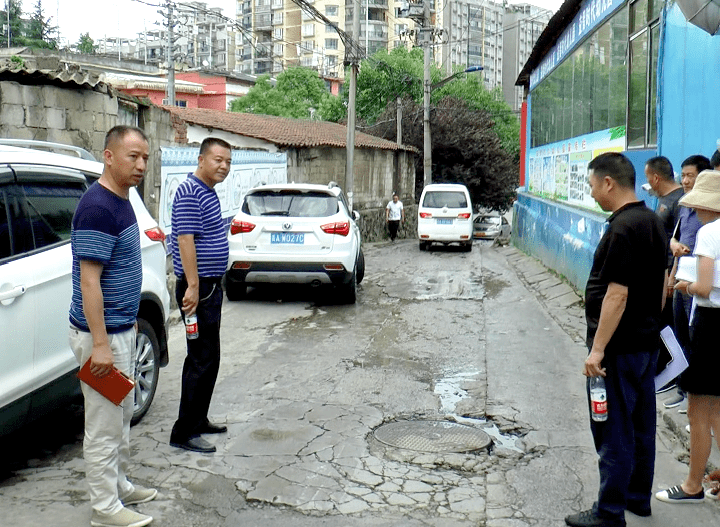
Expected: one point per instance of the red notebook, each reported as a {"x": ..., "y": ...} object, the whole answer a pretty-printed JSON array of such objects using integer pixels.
[{"x": 114, "y": 386}]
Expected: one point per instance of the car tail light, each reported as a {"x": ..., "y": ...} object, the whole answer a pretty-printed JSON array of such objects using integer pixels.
[
  {"x": 341, "y": 227},
  {"x": 426, "y": 215},
  {"x": 156, "y": 234},
  {"x": 237, "y": 227},
  {"x": 241, "y": 265},
  {"x": 334, "y": 267},
  {"x": 464, "y": 215}
]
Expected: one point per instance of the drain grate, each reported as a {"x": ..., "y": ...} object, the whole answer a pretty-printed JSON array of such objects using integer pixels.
[{"x": 432, "y": 436}]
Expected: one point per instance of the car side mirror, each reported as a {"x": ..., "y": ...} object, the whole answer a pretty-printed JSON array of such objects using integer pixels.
[{"x": 356, "y": 215}]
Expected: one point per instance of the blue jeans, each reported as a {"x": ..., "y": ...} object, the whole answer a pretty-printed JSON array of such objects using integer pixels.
[{"x": 626, "y": 441}]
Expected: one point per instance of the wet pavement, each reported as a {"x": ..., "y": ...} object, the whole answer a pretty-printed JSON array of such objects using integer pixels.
[{"x": 490, "y": 340}]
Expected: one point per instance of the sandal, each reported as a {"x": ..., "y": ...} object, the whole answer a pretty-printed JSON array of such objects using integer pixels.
[{"x": 678, "y": 495}]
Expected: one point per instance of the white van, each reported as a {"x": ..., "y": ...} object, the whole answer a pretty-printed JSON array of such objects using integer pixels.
[{"x": 445, "y": 216}]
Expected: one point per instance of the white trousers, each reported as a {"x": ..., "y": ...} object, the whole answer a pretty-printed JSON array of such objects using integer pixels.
[{"x": 106, "y": 446}]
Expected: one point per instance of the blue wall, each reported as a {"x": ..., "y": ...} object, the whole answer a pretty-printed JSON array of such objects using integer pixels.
[
  {"x": 689, "y": 90},
  {"x": 564, "y": 237}
]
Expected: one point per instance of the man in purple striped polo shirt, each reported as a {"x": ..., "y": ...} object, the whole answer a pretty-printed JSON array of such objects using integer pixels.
[{"x": 200, "y": 255}]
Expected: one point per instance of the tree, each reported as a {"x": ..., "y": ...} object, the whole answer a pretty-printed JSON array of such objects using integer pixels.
[
  {"x": 14, "y": 10},
  {"x": 466, "y": 148},
  {"x": 475, "y": 134},
  {"x": 298, "y": 93},
  {"x": 86, "y": 45},
  {"x": 38, "y": 31}
]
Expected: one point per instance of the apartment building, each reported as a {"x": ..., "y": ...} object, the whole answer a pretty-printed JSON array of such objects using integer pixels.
[
  {"x": 523, "y": 24},
  {"x": 473, "y": 36},
  {"x": 203, "y": 38},
  {"x": 278, "y": 34}
]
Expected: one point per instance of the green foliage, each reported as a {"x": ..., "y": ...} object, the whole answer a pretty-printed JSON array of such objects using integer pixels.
[
  {"x": 86, "y": 45},
  {"x": 14, "y": 7},
  {"x": 36, "y": 32},
  {"x": 466, "y": 148},
  {"x": 17, "y": 62},
  {"x": 298, "y": 92}
]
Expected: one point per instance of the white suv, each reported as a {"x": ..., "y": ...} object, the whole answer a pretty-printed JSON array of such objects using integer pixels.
[
  {"x": 445, "y": 215},
  {"x": 298, "y": 234},
  {"x": 39, "y": 192}
]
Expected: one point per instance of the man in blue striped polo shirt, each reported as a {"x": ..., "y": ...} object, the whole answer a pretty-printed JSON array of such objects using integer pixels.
[
  {"x": 200, "y": 255},
  {"x": 106, "y": 282}
]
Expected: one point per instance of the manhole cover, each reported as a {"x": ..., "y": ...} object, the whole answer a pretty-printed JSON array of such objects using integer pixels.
[{"x": 432, "y": 436}]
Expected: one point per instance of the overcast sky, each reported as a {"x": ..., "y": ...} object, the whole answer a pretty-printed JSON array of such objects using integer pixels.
[{"x": 126, "y": 18}]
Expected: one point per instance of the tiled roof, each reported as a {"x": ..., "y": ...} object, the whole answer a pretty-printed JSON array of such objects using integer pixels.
[{"x": 281, "y": 131}]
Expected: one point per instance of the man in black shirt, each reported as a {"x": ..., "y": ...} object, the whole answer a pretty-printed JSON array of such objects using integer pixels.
[
  {"x": 623, "y": 302},
  {"x": 661, "y": 178}
]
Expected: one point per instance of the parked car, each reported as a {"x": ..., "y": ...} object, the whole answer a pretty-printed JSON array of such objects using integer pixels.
[
  {"x": 39, "y": 192},
  {"x": 295, "y": 234},
  {"x": 490, "y": 225},
  {"x": 444, "y": 216}
]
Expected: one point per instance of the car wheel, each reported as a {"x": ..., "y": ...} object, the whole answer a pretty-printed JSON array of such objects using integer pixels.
[
  {"x": 360, "y": 267},
  {"x": 423, "y": 246},
  {"x": 235, "y": 290},
  {"x": 147, "y": 369},
  {"x": 468, "y": 246},
  {"x": 348, "y": 292}
]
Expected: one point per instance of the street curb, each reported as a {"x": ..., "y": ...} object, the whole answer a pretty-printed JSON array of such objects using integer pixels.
[{"x": 568, "y": 311}]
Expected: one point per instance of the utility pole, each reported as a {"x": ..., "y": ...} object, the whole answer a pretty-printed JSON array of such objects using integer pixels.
[
  {"x": 426, "y": 36},
  {"x": 170, "y": 56},
  {"x": 399, "y": 121},
  {"x": 354, "y": 62}
]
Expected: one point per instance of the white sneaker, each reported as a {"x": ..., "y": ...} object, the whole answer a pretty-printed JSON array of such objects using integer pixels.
[
  {"x": 123, "y": 518},
  {"x": 139, "y": 495}
]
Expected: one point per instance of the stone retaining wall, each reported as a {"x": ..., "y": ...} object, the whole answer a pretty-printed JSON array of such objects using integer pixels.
[{"x": 373, "y": 227}]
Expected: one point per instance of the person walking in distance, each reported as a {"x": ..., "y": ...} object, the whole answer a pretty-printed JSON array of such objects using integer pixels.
[
  {"x": 394, "y": 215},
  {"x": 200, "y": 255},
  {"x": 624, "y": 298},
  {"x": 106, "y": 282}
]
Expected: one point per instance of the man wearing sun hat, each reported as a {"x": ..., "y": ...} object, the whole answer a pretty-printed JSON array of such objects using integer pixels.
[{"x": 700, "y": 380}]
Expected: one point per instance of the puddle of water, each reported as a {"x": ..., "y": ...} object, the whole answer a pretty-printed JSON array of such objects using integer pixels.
[
  {"x": 492, "y": 430},
  {"x": 450, "y": 393}
]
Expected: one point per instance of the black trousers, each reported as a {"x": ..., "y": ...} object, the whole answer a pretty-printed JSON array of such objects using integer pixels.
[
  {"x": 202, "y": 362},
  {"x": 393, "y": 226},
  {"x": 626, "y": 441}
]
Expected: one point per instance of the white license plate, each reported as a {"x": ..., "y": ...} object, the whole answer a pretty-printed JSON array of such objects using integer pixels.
[
  {"x": 442, "y": 221},
  {"x": 287, "y": 237}
]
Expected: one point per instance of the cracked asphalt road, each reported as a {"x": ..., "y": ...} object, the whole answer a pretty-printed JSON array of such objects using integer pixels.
[{"x": 303, "y": 383}]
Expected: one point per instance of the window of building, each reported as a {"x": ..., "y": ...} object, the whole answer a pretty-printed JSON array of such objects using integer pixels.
[
  {"x": 331, "y": 10},
  {"x": 587, "y": 92},
  {"x": 277, "y": 4},
  {"x": 178, "y": 102},
  {"x": 308, "y": 30},
  {"x": 331, "y": 43},
  {"x": 642, "y": 89}
]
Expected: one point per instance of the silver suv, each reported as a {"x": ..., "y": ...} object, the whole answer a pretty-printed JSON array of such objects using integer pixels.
[{"x": 39, "y": 191}]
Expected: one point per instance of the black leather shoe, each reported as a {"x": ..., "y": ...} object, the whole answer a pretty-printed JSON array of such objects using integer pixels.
[
  {"x": 195, "y": 444},
  {"x": 213, "y": 429}
]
